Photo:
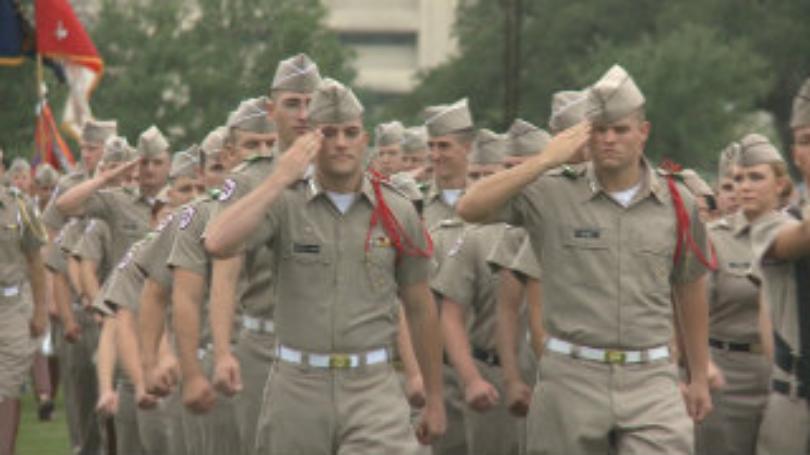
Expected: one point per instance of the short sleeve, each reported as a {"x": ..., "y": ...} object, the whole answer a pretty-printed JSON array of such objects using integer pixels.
[
  {"x": 33, "y": 235},
  {"x": 410, "y": 268},
  {"x": 690, "y": 267},
  {"x": 188, "y": 251},
  {"x": 456, "y": 278},
  {"x": 506, "y": 248},
  {"x": 91, "y": 245},
  {"x": 525, "y": 264},
  {"x": 151, "y": 256}
]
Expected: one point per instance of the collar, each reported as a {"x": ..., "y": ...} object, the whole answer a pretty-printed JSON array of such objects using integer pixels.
[
  {"x": 651, "y": 183},
  {"x": 314, "y": 189}
]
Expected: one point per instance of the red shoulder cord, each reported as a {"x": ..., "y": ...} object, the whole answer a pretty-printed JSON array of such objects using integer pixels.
[
  {"x": 383, "y": 215},
  {"x": 684, "y": 223}
]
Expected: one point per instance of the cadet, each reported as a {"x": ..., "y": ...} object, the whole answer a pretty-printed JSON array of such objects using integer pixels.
[
  {"x": 248, "y": 366},
  {"x": 610, "y": 234},
  {"x": 781, "y": 251},
  {"x": 45, "y": 180},
  {"x": 734, "y": 339},
  {"x": 727, "y": 203},
  {"x": 22, "y": 236},
  {"x": 19, "y": 176},
  {"x": 800, "y": 126},
  {"x": 387, "y": 142},
  {"x": 415, "y": 154},
  {"x": 344, "y": 246}
]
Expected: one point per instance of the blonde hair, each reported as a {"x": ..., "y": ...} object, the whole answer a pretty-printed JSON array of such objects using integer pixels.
[{"x": 780, "y": 171}]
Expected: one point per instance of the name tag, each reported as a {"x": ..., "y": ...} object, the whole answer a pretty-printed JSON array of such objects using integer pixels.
[
  {"x": 739, "y": 265},
  {"x": 306, "y": 249},
  {"x": 587, "y": 233}
]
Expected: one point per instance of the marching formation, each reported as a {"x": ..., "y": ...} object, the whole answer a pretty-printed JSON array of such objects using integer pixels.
[{"x": 288, "y": 286}]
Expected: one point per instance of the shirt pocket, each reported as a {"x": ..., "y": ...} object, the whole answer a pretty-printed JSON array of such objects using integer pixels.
[
  {"x": 653, "y": 262},
  {"x": 585, "y": 254},
  {"x": 380, "y": 266}
]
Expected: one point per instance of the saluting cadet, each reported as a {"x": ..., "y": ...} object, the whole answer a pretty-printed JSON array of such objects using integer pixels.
[
  {"x": 21, "y": 236},
  {"x": 244, "y": 368},
  {"x": 781, "y": 250},
  {"x": 467, "y": 286},
  {"x": 734, "y": 338},
  {"x": 344, "y": 246},
  {"x": 609, "y": 233}
]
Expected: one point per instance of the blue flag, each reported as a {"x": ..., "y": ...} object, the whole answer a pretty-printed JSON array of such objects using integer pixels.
[{"x": 15, "y": 43}]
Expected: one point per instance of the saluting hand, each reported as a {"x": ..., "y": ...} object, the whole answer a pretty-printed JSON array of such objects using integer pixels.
[
  {"x": 198, "y": 395},
  {"x": 111, "y": 174},
  {"x": 227, "y": 375},
  {"x": 481, "y": 395},
  {"x": 568, "y": 146},
  {"x": 293, "y": 164}
]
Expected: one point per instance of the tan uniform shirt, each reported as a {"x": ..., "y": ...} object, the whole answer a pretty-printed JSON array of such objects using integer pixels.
[
  {"x": 436, "y": 208},
  {"x": 332, "y": 293},
  {"x": 18, "y": 238},
  {"x": 127, "y": 214},
  {"x": 514, "y": 252},
  {"x": 126, "y": 280},
  {"x": 95, "y": 245},
  {"x": 55, "y": 257},
  {"x": 608, "y": 269},
  {"x": 446, "y": 237},
  {"x": 468, "y": 280},
  {"x": 733, "y": 298},
  {"x": 52, "y": 217}
]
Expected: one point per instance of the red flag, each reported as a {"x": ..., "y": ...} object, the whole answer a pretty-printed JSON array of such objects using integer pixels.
[
  {"x": 61, "y": 36},
  {"x": 50, "y": 147}
]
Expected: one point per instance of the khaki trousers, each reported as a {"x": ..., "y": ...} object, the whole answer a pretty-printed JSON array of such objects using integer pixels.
[
  {"x": 454, "y": 441},
  {"x": 585, "y": 407},
  {"x": 319, "y": 411},
  {"x": 494, "y": 432},
  {"x": 785, "y": 428},
  {"x": 256, "y": 354},
  {"x": 733, "y": 425},
  {"x": 140, "y": 431},
  {"x": 416, "y": 414},
  {"x": 82, "y": 369}
]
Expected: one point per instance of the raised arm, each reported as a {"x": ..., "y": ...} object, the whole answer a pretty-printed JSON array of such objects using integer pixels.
[
  {"x": 481, "y": 202},
  {"x": 72, "y": 201},
  {"x": 792, "y": 242}
]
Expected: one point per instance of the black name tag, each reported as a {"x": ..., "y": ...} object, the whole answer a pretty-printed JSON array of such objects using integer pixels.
[
  {"x": 304, "y": 248},
  {"x": 587, "y": 233},
  {"x": 739, "y": 265}
]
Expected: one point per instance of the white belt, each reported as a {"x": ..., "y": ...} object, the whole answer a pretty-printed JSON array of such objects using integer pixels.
[
  {"x": 258, "y": 325},
  {"x": 607, "y": 355},
  {"x": 334, "y": 361},
  {"x": 11, "y": 291}
]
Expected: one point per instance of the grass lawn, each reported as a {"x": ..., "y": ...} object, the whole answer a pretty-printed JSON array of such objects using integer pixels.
[{"x": 42, "y": 438}]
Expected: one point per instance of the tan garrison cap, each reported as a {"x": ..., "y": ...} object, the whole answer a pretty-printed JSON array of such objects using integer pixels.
[
  {"x": 407, "y": 186},
  {"x": 526, "y": 139},
  {"x": 388, "y": 134},
  {"x": 728, "y": 159},
  {"x": 695, "y": 183},
  {"x": 801, "y": 107},
  {"x": 297, "y": 74},
  {"x": 333, "y": 102},
  {"x": 116, "y": 150},
  {"x": 613, "y": 97},
  {"x": 214, "y": 141},
  {"x": 414, "y": 139},
  {"x": 567, "y": 109},
  {"x": 185, "y": 163},
  {"x": 489, "y": 147},
  {"x": 19, "y": 165},
  {"x": 46, "y": 175},
  {"x": 251, "y": 115},
  {"x": 757, "y": 149},
  {"x": 446, "y": 119},
  {"x": 97, "y": 131},
  {"x": 152, "y": 143}
]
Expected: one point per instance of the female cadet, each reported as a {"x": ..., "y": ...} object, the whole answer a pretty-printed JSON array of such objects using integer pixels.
[{"x": 21, "y": 236}]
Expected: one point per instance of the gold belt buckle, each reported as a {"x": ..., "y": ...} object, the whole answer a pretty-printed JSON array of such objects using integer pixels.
[
  {"x": 339, "y": 361},
  {"x": 617, "y": 357}
]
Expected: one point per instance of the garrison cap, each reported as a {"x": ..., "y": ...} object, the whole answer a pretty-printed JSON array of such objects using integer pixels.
[
  {"x": 387, "y": 134},
  {"x": 214, "y": 141},
  {"x": 567, "y": 109},
  {"x": 185, "y": 163},
  {"x": 407, "y": 185},
  {"x": 445, "y": 119},
  {"x": 757, "y": 149},
  {"x": 19, "y": 165},
  {"x": 414, "y": 139},
  {"x": 695, "y": 183},
  {"x": 333, "y": 102},
  {"x": 97, "y": 131},
  {"x": 46, "y": 175},
  {"x": 728, "y": 159},
  {"x": 116, "y": 150},
  {"x": 251, "y": 115},
  {"x": 489, "y": 147},
  {"x": 801, "y": 107},
  {"x": 526, "y": 139},
  {"x": 614, "y": 96},
  {"x": 297, "y": 74},
  {"x": 152, "y": 143}
]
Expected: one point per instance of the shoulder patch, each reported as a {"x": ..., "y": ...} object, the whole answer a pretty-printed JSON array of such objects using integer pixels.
[
  {"x": 228, "y": 188},
  {"x": 186, "y": 216}
]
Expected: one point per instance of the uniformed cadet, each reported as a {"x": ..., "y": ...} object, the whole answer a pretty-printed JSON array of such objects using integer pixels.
[
  {"x": 609, "y": 233},
  {"x": 340, "y": 241},
  {"x": 245, "y": 367},
  {"x": 781, "y": 249},
  {"x": 415, "y": 153},
  {"x": 727, "y": 202},
  {"x": 45, "y": 180},
  {"x": 388, "y": 157},
  {"x": 734, "y": 339},
  {"x": 21, "y": 236},
  {"x": 19, "y": 176},
  {"x": 467, "y": 287},
  {"x": 79, "y": 329},
  {"x": 451, "y": 133},
  {"x": 800, "y": 127}
]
